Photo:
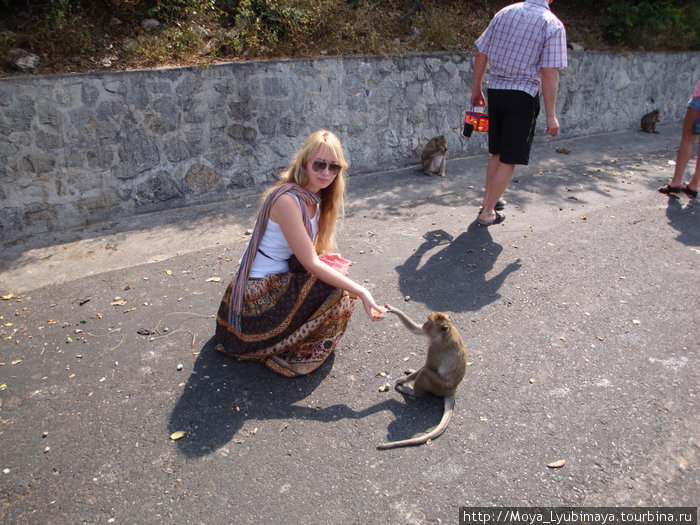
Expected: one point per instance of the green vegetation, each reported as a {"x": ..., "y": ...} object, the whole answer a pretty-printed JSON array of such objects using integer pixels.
[
  {"x": 84, "y": 35},
  {"x": 657, "y": 24}
]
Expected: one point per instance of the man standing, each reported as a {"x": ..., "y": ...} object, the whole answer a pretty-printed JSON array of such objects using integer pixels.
[{"x": 525, "y": 46}]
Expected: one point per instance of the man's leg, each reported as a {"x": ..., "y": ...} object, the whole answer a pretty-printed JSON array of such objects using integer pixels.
[{"x": 498, "y": 176}]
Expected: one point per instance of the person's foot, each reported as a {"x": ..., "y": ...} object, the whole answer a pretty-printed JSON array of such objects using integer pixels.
[
  {"x": 690, "y": 193},
  {"x": 667, "y": 189},
  {"x": 499, "y": 218},
  {"x": 500, "y": 204}
]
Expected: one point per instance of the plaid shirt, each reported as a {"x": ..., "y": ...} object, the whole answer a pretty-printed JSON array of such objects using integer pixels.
[{"x": 522, "y": 39}]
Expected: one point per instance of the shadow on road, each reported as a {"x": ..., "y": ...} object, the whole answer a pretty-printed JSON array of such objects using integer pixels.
[
  {"x": 684, "y": 220},
  {"x": 221, "y": 394},
  {"x": 455, "y": 277}
]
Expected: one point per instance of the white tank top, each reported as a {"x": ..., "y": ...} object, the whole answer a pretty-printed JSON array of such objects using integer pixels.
[{"x": 274, "y": 249}]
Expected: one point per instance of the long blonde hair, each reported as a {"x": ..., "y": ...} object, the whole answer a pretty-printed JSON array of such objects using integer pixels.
[{"x": 332, "y": 197}]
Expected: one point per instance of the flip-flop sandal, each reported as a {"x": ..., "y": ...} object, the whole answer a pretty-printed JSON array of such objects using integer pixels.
[
  {"x": 667, "y": 189},
  {"x": 500, "y": 204},
  {"x": 690, "y": 193},
  {"x": 500, "y": 217}
]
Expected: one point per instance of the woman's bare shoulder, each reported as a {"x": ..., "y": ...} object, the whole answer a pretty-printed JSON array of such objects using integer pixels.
[{"x": 285, "y": 207}]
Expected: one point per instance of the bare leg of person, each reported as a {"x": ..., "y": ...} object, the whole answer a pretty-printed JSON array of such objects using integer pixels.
[
  {"x": 685, "y": 151},
  {"x": 695, "y": 181},
  {"x": 498, "y": 176}
]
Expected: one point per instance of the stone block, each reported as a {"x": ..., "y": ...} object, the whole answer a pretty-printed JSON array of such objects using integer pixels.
[
  {"x": 158, "y": 188},
  {"x": 244, "y": 180},
  {"x": 11, "y": 222},
  {"x": 167, "y": 117},
  {"x": 48, "y": 141},
  {"x": 100, "y": 158},
  {"x": 189, "y": 83},
  {"x": 89, "y": 94},
  {"x": 47, "y": 114},
  {"x": 40, "y": 212},
  {"x": 240, "y": 111},
  {"x": 35, "y": 163},
  {"x": 291, "y": 124},
  {"x": 139, "y": 97},
  {"x": 18, "y": 117},
  {"x": 242, "y": 133},
  {"x": 176, "y": 150},
  {"x": 201, "y": 179},
  {"x": 97, "y": 209},
  {"x": 194, "y": 140},
  {"x": 137, "y": 154},
  {"x": 276, "y": 87},
  {"x": 222, "y": 152},
  {"x": 7, "y": 149},
  {"x": 192, "y": 113}
]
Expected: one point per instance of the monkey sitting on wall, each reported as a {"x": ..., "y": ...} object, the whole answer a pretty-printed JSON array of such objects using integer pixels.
[
  {"x": 649, "y": 121},
  {"x": 444, "y": 368},
  {"x": 434, "y": 156}
]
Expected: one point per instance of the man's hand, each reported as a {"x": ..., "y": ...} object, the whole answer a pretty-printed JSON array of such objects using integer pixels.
[{"x": 552, "y": 126}]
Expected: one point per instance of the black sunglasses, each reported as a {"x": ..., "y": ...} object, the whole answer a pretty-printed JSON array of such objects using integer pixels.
[{"x": 319, "y": 165}]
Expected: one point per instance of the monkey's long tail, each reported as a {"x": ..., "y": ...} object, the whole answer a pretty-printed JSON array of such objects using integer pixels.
[{"x": 419, "y": 440}]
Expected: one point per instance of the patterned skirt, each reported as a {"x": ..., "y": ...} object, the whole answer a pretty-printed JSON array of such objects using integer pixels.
[{"x": 291, "y": 322}]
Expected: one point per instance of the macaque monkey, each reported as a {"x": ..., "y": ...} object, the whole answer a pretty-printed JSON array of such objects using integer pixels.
[
  {"x": 444, "y": 369},
  {"x": 434, "y": 156},
  {"x": 649, "y": 121}
]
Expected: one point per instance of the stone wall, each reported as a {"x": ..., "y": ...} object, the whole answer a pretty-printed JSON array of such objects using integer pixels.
[{"x": 76, "y": 149}]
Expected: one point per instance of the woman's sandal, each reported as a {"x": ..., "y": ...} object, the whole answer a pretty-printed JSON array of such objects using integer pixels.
[
  {"x": 690, "y": 193},
  {"x": 667, "y": 189}
]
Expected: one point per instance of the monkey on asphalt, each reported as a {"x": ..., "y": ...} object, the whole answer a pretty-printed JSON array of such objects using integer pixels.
[
  {"x": 434, "y": 156},
  {"x": 444, "y": 368},
  {"x": 649, "y": 121}
]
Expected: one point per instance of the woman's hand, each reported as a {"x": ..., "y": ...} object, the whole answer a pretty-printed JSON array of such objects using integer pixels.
[
  {"x": 373, "y": 310},
  {"x": 287, "y": 214}
]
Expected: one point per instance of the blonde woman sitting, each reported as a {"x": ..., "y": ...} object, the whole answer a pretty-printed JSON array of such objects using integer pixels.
[{"x": 291, "y": 299}]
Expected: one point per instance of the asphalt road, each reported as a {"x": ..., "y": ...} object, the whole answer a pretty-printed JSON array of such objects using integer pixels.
[{"x": 580, "y": 313}]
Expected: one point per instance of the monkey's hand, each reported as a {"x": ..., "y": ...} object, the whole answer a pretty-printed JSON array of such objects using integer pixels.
[{"x": 393, "y": 310}]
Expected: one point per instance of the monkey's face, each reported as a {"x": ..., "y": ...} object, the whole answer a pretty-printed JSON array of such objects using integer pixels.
[
  {"x": 437, "y": 322},
  {"x": 438, "y": 143}
]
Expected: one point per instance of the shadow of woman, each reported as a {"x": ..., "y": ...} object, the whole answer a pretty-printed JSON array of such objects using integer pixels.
[
  {"x": 222, "y": 393},
  {"x": 684, "y": 220},
  {"x": 455, "y": 277}
]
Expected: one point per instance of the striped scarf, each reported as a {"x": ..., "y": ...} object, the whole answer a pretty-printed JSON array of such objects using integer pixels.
[{"x": 241, "y": 279}]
